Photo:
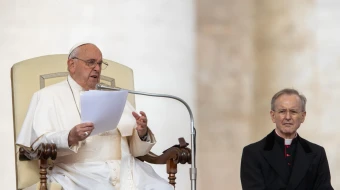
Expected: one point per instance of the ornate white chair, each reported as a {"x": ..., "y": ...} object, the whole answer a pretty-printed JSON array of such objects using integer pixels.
[{"x": 31, "y": 75}]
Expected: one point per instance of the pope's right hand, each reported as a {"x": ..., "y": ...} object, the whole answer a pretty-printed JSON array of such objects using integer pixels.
[{"x": 80, "y": 132}]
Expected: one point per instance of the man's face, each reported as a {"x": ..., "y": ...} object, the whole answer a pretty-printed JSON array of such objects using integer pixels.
[
  {"x": 288, "y": 115},
  {"x": 85, "y": 75}
]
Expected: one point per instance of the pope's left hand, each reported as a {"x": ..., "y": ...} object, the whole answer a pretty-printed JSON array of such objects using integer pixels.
[{"x": 142, "y": 123}]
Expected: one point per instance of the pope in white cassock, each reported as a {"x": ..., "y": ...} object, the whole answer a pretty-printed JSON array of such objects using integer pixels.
[{"x": 105, "y": 161}]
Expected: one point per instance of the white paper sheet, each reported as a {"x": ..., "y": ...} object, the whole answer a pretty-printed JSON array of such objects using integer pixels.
[{"x": 103, "y": 108}]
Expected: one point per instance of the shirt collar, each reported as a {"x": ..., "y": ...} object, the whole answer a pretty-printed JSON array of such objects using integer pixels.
[
  {"x": 285, "y": 141},
  {"x": 74, "y": 85}
]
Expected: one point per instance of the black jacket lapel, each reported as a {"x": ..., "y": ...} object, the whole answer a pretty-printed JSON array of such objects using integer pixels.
[
  {"x": 303, "y": 158},
  {"x": 275, "y": 157}
]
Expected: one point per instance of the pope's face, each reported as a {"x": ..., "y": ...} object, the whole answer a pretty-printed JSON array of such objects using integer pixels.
[
  {"x": 288, "y": 115},
  {"x": 80, "y": 68}
]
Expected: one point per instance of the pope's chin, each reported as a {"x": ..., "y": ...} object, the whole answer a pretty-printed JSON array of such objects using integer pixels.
[{"x": 92, "y": 84}]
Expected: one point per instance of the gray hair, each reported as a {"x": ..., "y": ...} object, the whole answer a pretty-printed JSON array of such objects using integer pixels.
[{"x": 289, "y": 91}]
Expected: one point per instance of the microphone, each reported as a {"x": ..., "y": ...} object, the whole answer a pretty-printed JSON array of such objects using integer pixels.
[
  {"x": 102, "y": 86},
  {"x": 193, "y": 169}
]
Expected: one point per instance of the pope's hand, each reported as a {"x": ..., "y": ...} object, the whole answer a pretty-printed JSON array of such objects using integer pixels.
[
  {"x": 80, "y": 132},
  {"x": 142, "y": 123}
]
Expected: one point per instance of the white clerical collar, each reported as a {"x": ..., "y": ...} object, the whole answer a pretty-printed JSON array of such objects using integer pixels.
[
  {"x": 287, "y": 141},
  {"x": 74, "y": 85}
]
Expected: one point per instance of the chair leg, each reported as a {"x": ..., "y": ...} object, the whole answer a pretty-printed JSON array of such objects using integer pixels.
[
  {"x": 43, "y": 172},
  {"x": 171, "y": 169}
]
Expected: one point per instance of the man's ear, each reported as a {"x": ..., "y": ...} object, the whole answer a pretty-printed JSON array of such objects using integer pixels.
[
  {"x": 303, "y": 116},
  {"x": 272, "y": 115},
  {"x": 70, "y": 65}
]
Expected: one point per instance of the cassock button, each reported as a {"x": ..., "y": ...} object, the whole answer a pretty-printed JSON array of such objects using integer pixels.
[{"x": 288, "y": 155}]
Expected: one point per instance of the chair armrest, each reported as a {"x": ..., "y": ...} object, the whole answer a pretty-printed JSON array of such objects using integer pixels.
[
  {"x": 178, "y": 155},
  {"x": 171, "y": 157},
  {"x": 42, "y": 153}
]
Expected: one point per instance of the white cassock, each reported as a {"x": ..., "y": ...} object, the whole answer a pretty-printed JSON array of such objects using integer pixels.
[{"x": 105, "y": 161}]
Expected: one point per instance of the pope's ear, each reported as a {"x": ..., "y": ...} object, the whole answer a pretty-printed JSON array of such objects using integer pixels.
[{"x": 70, "y": 65}]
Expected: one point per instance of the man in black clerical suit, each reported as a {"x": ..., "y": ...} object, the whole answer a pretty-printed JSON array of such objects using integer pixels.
[{"x": 283, "y": 160}]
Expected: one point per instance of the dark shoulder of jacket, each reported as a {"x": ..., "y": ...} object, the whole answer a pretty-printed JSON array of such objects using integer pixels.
[
  {"x": 257, "y": 146},
  {"x": 309, "y": 146}
]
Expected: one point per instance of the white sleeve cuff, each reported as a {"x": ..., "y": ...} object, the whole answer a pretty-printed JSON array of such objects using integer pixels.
[{"x": 59, "y": 138}]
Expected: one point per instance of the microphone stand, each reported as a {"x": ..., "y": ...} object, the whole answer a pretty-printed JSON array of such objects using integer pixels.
[{"x": 193, "y": 169}]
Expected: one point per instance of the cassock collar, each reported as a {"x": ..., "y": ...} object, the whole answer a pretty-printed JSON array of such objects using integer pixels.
[
  {"x": 74, "y": 85},
  {"x": 283, "y": 141},
  {"x": 270, "y": 140}
]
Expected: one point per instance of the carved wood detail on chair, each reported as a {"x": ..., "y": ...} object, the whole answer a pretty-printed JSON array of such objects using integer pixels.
[
  {"x": 171, "y": 157},
  {"x": 42, "y": 153}
]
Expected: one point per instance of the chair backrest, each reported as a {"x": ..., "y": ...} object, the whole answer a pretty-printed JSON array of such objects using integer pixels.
[{"x": 33, "y": 74}]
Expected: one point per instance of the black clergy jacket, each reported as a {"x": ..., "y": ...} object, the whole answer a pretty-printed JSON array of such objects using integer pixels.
[{"x": 264, "y": 167}]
